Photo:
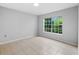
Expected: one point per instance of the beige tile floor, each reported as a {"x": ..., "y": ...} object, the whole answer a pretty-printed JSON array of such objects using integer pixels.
[{"x": 37, "y": 46}]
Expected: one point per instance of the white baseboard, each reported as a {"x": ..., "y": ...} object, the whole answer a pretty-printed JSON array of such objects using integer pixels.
[{"x": 20, "y": 38}]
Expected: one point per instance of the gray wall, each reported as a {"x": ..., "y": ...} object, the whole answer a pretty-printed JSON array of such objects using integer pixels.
[
  {"x": 78, "y": 26},
  {"x": 70, "y": 26},
  {"x": 16, "y": 24}
]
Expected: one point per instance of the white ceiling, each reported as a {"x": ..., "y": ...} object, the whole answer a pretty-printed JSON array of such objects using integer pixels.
[{"x": 43, "y": 8}]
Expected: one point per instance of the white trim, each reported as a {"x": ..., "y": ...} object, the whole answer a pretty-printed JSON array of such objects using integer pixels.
[
  {"x": 20, "y": 38},
  {"x": 51, "y": 29},
  {"x": 52, "y": 33}
]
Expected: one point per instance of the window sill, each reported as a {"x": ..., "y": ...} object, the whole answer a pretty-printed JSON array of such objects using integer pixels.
[{"x": 53, "y": 33}]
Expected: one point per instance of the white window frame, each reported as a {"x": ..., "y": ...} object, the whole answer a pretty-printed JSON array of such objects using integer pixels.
[{"x": 51, "y": 28}]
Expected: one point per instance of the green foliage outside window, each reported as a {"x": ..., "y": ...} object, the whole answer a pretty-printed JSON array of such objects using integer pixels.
[{"x": 53, "y": 24}]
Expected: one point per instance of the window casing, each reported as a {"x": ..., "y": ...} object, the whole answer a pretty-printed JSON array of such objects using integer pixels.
[{"x": 53, "y": 24}]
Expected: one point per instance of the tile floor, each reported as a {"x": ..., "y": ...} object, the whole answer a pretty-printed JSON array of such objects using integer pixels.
[{"x": 37, "y": 46}]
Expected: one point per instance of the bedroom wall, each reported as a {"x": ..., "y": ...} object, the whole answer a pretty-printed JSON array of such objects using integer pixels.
[
  {"x": 78, "y": 28},
  {"x": 70, "y": 26},
  {"x": 15, "y": 24}
]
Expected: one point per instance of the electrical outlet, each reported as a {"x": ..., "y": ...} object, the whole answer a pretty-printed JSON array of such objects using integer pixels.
[{"x": 5, "y": 35}]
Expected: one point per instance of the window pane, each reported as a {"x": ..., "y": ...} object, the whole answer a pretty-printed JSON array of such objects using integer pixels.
[
  {"x": 57, "y": 22},
  {"x": 60, "y": 24},
  {"x": 47, "y": 25},
  {"x": 53, "y": 24},
  {"x": 60, "y": 29}
]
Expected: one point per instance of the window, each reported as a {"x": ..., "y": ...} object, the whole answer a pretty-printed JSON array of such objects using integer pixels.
[{"x": 53, "y": 24}]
